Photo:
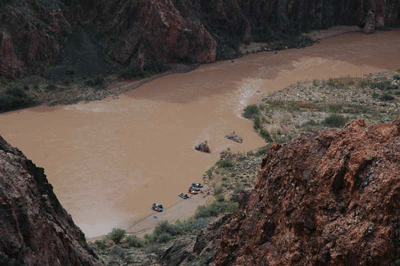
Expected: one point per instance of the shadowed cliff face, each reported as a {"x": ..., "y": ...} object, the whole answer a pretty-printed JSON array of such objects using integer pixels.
[
  {"x": 147, "y": 34},
  {"x": 35, "y": 229},
  {"x": 328, "y": 198}
]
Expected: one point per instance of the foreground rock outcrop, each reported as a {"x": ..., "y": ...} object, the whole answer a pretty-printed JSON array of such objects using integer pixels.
[
  {"x": 35, "y": 229},
  {"x": 328, "y": 198}
]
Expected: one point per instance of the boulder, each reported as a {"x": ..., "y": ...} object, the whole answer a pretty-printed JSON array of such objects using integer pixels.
[
  {"x": 234, "y": 137},
  {"x": 203, "y": 147}
]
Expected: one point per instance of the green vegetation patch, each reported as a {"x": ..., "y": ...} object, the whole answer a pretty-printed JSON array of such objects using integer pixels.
[
  {"x": 250, "y": 111},
  {"x": 15, "y": 98}
]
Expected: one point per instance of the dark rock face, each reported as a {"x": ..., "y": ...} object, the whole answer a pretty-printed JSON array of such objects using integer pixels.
[
  {"x": 31, "y": 36},
  {"x": 328, "y": 198},
  {"x": 147, "y": 34},
  {"x": 35, "y": 229}
]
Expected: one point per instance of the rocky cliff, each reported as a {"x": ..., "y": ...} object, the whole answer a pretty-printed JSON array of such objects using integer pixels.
[
  {"x": 35, "y": 229},
  {"x": 144, "y": 35},
  {"x": 330, "y": 197}
]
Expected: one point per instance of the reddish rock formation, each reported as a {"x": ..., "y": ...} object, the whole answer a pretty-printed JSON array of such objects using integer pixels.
[
  {"x": 157, "y": 25},
  {"x": 32, "y": 37},
  {"x": 147, "y": 34},
  {"x": 328, "y": 198},
  {"x": 35, "y": 229},
  {"x": 10, "y": 65}
]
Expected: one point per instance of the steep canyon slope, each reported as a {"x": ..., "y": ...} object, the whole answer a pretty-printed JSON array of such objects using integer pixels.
[
  {"x": 144, "y": 35},
  {"x": 35, "y": 229},
  {"x": 330, "y": 197}
]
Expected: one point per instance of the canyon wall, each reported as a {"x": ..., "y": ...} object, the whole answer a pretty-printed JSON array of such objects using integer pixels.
[
  {"x": 330, "y": 197},
  {"x": 144, "y": 35},
  {"x": 35, "y": 229}
]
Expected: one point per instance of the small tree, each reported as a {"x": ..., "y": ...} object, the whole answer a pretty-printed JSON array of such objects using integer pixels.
[
  {"x": 117, "y": 235},
  {"x": 134, "y": 241}
]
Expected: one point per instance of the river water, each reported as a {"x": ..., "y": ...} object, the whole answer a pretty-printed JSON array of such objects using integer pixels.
[{"x": 110, "y": 160}]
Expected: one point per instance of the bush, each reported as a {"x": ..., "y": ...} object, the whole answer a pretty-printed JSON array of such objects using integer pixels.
[
  {"x": 226, "y": 163},
  {"x": 101, "y": 244},
  {"x": 262, "y": 151},
  {"x": 217, "y": 190},
  {"x": 265, "y": 135},
  {"x": 15, "y": 98},
  {"x": 209, "y": 173},
  {"x": 335, "y": 120},
  {"x": 134, "y": 241},
  {"x": 220, "y": 198},
  {"x": 378, "y": 83},
  {"x": 164, "y": 231},
  {"x": 51, "y": 87},
  {"x": 117, "y": 235},
  {"x": 96, "y": 81},
  {"x": 386, "y": 97},
  {"x": 236, "y": 191},
  {"x": 250, "y": 111},
  {"x": 117, "y": 251},
  {"x": 256, "y": 122},
  {"x": 215, "y": 209}
]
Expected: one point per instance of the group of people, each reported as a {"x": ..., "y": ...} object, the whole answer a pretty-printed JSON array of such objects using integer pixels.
[
  {"x": 193, "y": 189},
  {"x": 157, "y": 207}
]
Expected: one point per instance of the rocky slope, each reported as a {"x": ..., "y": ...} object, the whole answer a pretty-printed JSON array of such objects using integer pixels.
[
  {"x": 330, "y": 197},
  {"x": 144, "y": 35},
  {"x": 35, "y": 229}
]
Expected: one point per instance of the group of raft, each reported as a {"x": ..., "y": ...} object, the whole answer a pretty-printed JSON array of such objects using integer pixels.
[{"x": 193, "y": 189}]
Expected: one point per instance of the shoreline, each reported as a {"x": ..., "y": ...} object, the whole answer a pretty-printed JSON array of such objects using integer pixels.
[{"x": 146, "y": 224}]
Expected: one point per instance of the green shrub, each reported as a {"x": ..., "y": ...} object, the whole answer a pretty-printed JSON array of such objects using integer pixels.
[
  {"x": 250, "y": 111},
  {"x": 96, "y": 81},
  {"x": 335, "y": 120},
  {"x": 134, "y": 241},
  {"x": 225, "y": 163},
  {"x": 51, "y": 87},
  {"x": 256, "y": 122},
  {"x": 101, "y": 244},
  {"x": 15, "y": 98},
  {"x": 117, "y": 235},
  {"x": 396, "y": 77},
  {"x": 164, "y": 231},
  {"x": 265, "y": 135},
  {"x": 378, "y": 83},
  {"x": 386, "y": 97},
  {"x": 220, "y": 198},
  {"x": 209, "y": 173},
  {"x": 236, "y": 191},
  {"x": 217, "y": 190},
  {"x": 117, "y": 251},
  {"x": 262, "y": 151},
  {"x": 215, "y": 209},
  {"x": 334, "y": 108},
  {"x": 311, "y": 122}
]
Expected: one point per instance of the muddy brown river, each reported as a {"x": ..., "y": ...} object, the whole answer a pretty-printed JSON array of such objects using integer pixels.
[{"x": 110, "y": 160}]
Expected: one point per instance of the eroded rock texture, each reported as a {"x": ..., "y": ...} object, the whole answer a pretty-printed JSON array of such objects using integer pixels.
[
  {"x": 144, "y": 35},
  {"x": 35, "y": 229},
  {"x": 328, "y": 198}
]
